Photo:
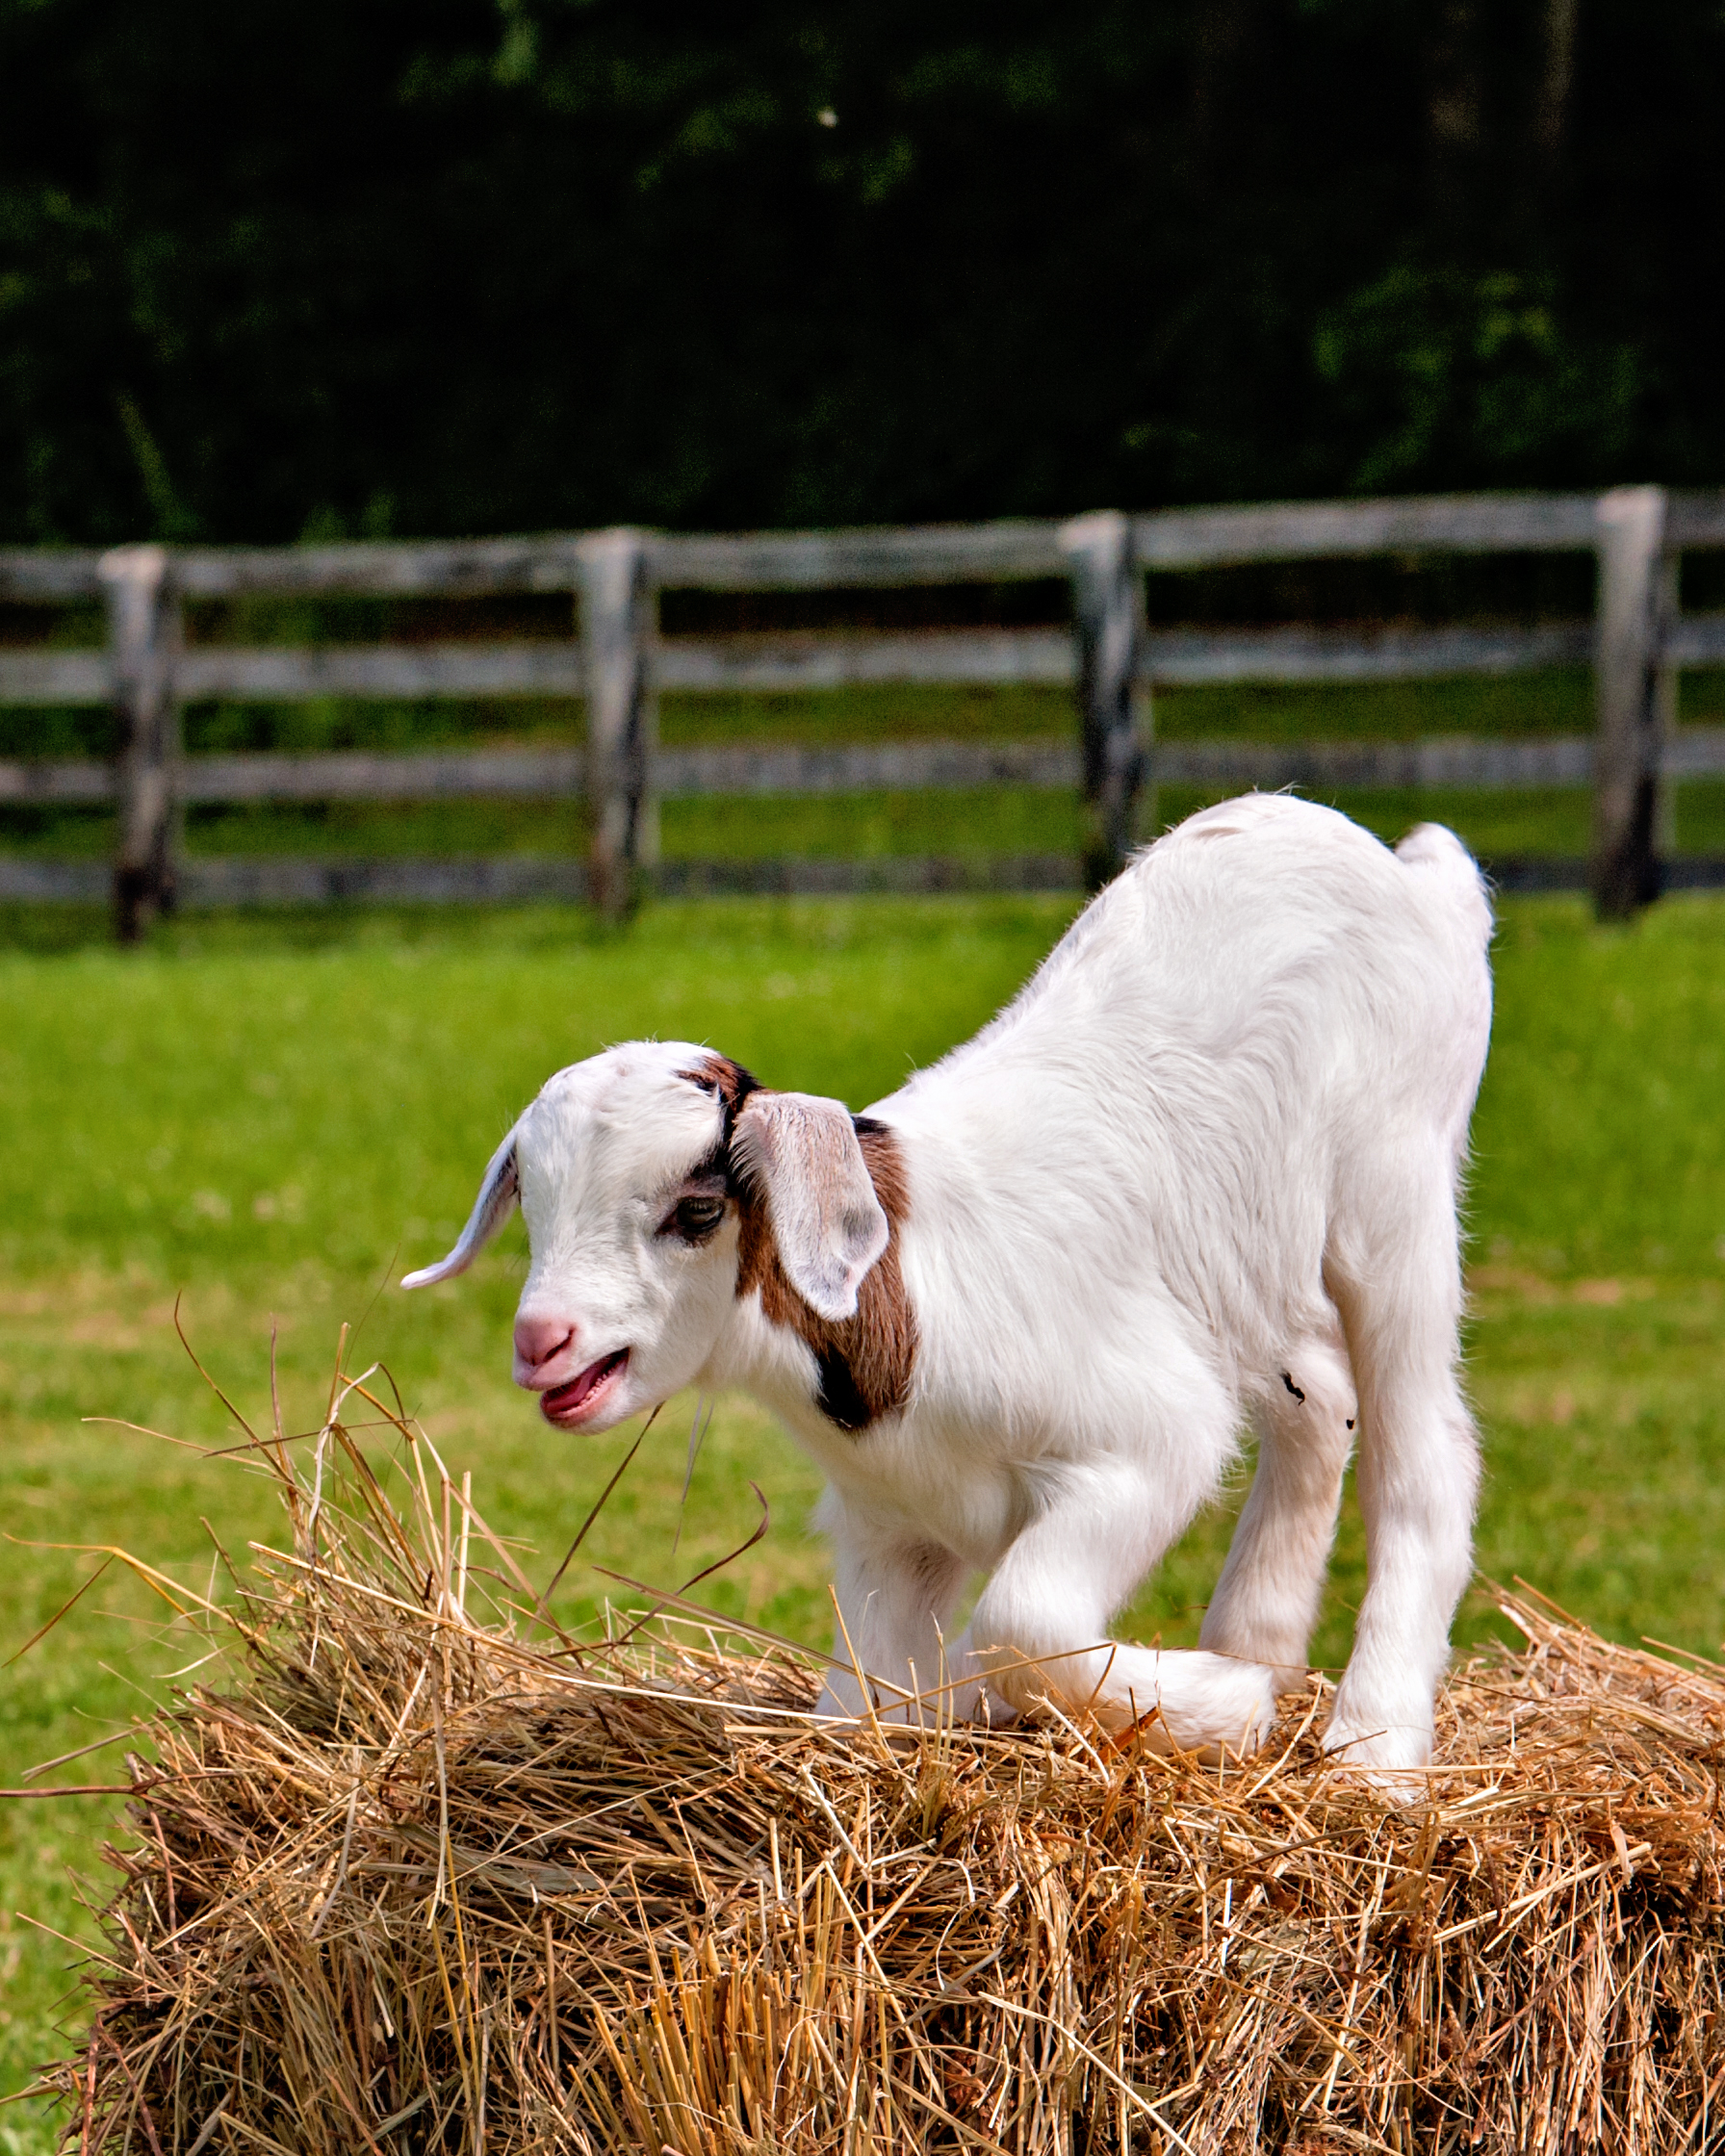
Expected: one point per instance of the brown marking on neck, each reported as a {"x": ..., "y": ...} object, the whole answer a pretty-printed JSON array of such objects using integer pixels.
[{"x": 866, "y": 1362}]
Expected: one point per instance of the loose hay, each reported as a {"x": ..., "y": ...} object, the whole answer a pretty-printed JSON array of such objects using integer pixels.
[{"x": 412, "y": 1882}]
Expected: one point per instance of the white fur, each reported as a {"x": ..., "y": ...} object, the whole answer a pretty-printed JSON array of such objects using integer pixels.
[{"x": 1205, "y": 1163}]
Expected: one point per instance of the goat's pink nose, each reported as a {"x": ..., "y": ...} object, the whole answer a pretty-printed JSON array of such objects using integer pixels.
[{"x": 538, "y": 1339}]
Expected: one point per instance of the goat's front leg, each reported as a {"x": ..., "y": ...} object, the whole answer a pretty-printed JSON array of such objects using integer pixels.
[
  {"x": 1039, "y": 1630},
  {"x": 897, "y": 1591}
]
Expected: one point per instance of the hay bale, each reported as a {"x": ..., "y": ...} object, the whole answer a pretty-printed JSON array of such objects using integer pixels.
[{"x": 411, "y": 1882}]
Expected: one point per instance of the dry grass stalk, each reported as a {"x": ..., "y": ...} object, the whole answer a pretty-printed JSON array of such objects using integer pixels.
[{"x": 413, "y": 1881}]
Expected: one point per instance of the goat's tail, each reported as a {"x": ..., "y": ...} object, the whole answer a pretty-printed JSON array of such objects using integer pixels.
[{"x": 1433, "y": 851}]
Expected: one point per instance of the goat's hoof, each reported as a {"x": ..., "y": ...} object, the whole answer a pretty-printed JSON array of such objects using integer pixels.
[
  {"x": 1388, "y": 1762},
  {"x": 1244, "y": 1723},
  {"x": 1232, "y": 1722}
]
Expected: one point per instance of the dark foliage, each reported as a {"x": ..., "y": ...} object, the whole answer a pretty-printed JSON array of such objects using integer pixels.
[{"x": 376, "y": 267}]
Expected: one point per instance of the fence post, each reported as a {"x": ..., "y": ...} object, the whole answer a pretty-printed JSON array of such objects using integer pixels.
[
  {"x": 143, "y": 643},
  {"x": 1634, "y": 585},
  {"x": 1666, "y": 684},
  {"x": 1106, "y": 614},
  {"x": 618, "y": 609}
]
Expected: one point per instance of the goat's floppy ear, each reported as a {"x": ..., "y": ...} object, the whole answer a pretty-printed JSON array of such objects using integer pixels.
[
  {"x": 801, "y": 1153},
  {"x": 493, "y": 1206}
]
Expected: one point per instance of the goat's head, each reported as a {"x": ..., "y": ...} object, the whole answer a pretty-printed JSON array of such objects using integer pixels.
[{"x": 638, "y": 1172}]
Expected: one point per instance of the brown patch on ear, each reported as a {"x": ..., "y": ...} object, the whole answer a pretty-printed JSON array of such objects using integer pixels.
[{"x": 867, "y": 1361}]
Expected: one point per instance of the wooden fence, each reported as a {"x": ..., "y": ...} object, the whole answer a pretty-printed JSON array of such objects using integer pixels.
[{"x": 617, "y": 661}]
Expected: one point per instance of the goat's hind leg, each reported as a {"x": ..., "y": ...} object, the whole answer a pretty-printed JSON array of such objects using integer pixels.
[
  {"x": 1398, "y": 1288},
  {"x": 1265, "y": 1601}
]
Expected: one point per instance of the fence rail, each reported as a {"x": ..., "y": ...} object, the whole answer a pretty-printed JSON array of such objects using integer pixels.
[
  {"x": 617, "y": 661},
  {"x": 1456, "y": 763},
  {"x": 547, "y": 667}
]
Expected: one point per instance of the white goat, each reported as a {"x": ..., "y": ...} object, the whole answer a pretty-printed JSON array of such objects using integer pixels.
[{"x": 1205, "y": 1167}]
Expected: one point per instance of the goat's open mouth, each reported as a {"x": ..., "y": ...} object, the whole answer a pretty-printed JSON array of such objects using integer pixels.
[{"x": 574, "y": 1403}]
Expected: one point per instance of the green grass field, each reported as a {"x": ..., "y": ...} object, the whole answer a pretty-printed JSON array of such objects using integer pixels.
[{"x": 274, "y": 1118}]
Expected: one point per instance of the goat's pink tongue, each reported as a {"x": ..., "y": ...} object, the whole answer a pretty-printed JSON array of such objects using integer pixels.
[{"x": 581, "y": 1388}]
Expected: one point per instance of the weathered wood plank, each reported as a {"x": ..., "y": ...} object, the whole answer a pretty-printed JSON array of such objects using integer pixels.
[
  {"x": 34, "y": 882},
  {"x": 885, "y": 767},
  {"x": 1693, "y": 751},
  {"x": 42, "y": 576},
  {"x": 1461, "y": 762},
  {"x": 286, "y": 674},
  {"x": 1350, "y": 654},
  {"x": 811, "y": 877},
  {"x": 1694, "y": 518},
  {"x": 293, "y": 880},
  {"x": 780, "y": 664},
  {"x": 1667, "y": 694},
  {"x": 776, "y": 664},
  {"x": 617, "y": 624},
  {"x": 791, "y": 663},
  {"x": 1559, "y": 872},
  {"x": 839, "y": 560},
  {"x": 1108, "y": 605},
  {"x": 1529, "y": 873},
  {"x": 816, "y": 661},
  {"x": 518, "y": 880},
  {"x": 443, "y": 569},
  {"x": 1631, "y": 589},
  {"x": 353, "y": 775},
  {"x": 1692, "y": 872},
  {"x": 66, "y": 782},
  {"x": 1172, "y": 538},
  {"x": 1695, "y": 640},
  {"x": 310, "y": 880},
  {"x": 38, "y": 678},
  {"x": 289, "y": 674},
  {"x": 1464, "y": 763},
  {"x": 1302, "y": 531},
  {"x": 479, "y": 774},
  {"x": 143, "y": 643}
]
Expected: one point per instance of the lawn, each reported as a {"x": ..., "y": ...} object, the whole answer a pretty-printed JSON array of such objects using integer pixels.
[{"x": 272, "y": 1118}]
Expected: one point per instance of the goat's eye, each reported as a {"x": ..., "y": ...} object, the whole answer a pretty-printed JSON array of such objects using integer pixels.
[{"x": 695, "y": 1218}]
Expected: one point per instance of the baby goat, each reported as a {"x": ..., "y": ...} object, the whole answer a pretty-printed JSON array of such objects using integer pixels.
[{"x": 1203, "y": 1168}]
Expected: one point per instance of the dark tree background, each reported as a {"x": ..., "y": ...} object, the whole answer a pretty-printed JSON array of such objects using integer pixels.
[{"x": 367, "y": 266}]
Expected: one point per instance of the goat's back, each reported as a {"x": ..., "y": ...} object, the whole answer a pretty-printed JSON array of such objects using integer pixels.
[
  {"x": 1265, "y": 918},
  {"x": 1265, "y": 993}
]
